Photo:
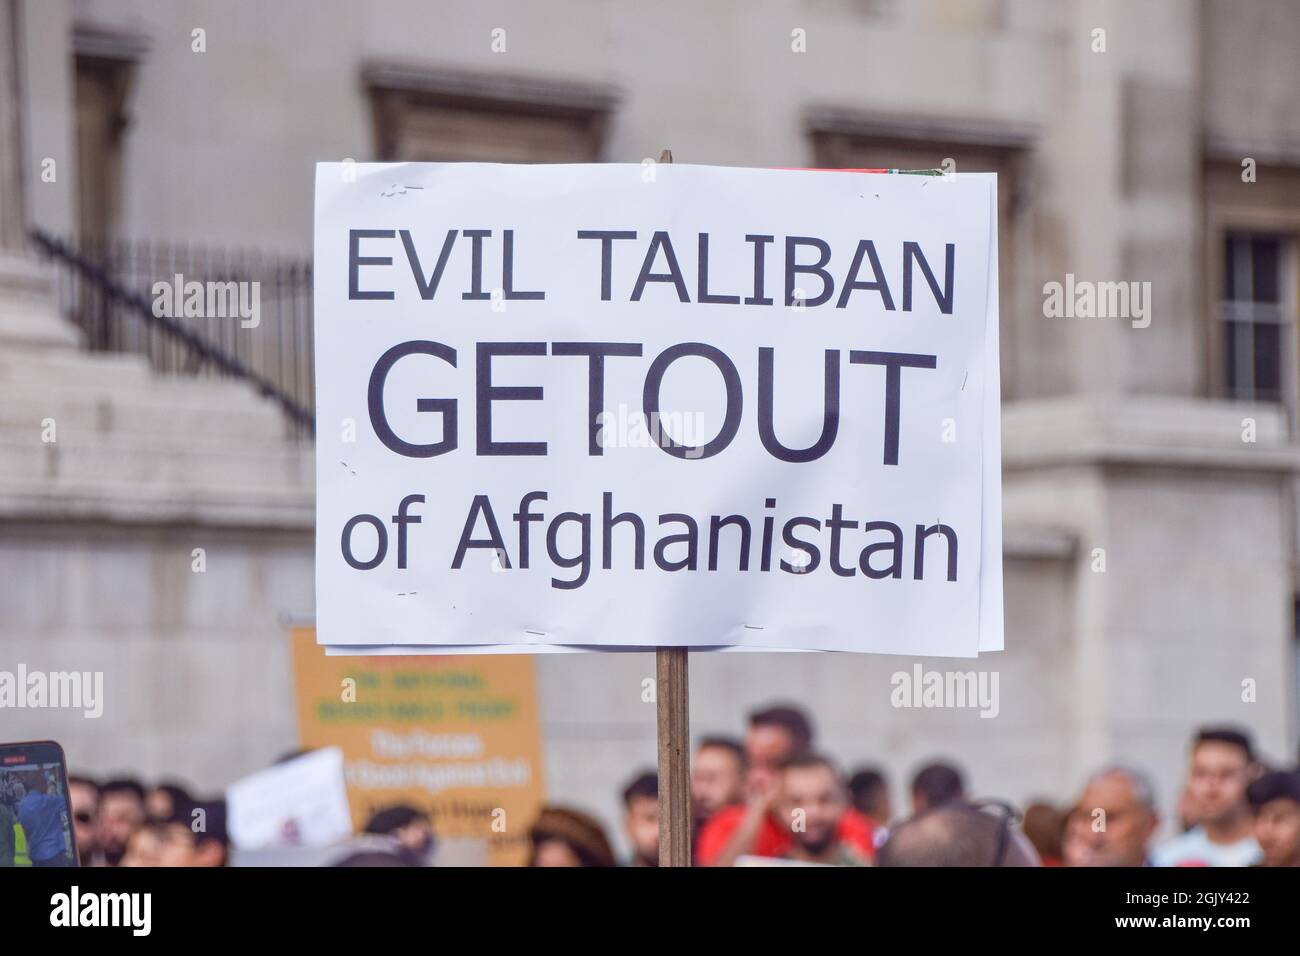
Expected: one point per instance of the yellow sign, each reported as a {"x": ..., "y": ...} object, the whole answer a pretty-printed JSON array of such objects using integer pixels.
[{"x": 456, "y": 736}]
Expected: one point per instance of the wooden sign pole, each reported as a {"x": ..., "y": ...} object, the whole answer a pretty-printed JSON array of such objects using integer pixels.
[
  {"x": 674, "y": 756},
  {"x": 673, "y": 728}
]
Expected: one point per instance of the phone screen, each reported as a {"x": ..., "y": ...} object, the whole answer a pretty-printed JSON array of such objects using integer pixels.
[{"x": 35, "y": 809}]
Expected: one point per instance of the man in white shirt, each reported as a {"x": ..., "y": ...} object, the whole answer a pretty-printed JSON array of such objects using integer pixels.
[{"x": 1223, "y": 765}]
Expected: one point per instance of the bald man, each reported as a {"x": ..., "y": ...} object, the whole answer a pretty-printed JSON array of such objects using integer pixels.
[
  {"x": 958, "y": 834},
  {"x": 1113, "y": 822}
]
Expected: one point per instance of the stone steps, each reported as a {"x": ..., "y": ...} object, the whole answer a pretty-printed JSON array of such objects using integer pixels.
[
  {"x": 132, "y": 445},
  {"x": 109, "y": 393},
  {"x": 201, "y": 413},
  {"x": 25, "y": 366},
  {"x": 138, "y": 460}
]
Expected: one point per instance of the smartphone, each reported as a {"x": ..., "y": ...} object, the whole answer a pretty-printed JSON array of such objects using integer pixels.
[{"x": 35, "y": 808}]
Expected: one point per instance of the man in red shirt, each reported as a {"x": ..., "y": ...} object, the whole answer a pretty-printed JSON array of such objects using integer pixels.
[
  {"x": 813, "y": 801},
  {"x": 775, "y": 736},
  {"x": 717, "y": 778}
]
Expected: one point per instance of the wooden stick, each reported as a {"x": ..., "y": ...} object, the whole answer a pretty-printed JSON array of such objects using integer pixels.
[
  {"x": 672, "y": 703},
  {"x": 674, "y": 732}
]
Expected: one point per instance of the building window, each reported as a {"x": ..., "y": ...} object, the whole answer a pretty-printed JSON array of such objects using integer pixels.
[
  {"x": 105, "y": 62},
  {"x": 435, "y": 115},
  {"x": 1252, "y": 252},
  {"x": 1258, "y": 316}
]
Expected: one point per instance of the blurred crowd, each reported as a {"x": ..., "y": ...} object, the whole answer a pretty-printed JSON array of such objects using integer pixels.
[{"x": 772, "y": 798}]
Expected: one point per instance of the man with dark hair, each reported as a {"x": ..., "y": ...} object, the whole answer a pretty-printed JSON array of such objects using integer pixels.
[
  {"x": 83, "y": 793},
  {"x": 193, "y": 834},
  {"x": 776, "y": 735},
  {"x": 212, "y": 840},
  {"x": 869, "y": 791},
  {"x": 958, "y": 833},
  {"x": 936, "y": 784},
  {"x": 788, "y": 718},
  {"x": 400, "y": 831},
  {"x": 409, "y": 828},
  {"x": 1222, "y": 767},
  {"x": 717, "y": 778},
  {"x": 120, "y": 814},
  {"x": 1275, "y": 799},
  {"x": 165, "y": 800},
  {"x": 812, "y": 803},
  {"x": 170, "y": 843},
  {"x": 641, "y": 818}
]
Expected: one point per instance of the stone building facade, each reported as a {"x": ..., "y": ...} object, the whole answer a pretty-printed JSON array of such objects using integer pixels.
[{"x": 1150, "y": 551}]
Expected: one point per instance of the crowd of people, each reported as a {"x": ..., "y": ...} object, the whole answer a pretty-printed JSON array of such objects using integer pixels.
[
  {"x": 122, "y": 823},
  {"x": 772, "y": 798}
]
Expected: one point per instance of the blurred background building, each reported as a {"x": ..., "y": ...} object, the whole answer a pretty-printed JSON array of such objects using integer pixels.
[{"x": 1151, "y": 544}]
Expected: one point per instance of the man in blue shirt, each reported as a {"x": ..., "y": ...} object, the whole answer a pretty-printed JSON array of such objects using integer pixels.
[{"x": 42, "y": 816}]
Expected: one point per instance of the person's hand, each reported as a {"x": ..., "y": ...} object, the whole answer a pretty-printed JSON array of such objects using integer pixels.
[{"x": 763, "y": 795}]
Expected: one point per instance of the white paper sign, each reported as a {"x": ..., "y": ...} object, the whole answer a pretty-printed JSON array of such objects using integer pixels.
[
  {"x": 620, "y": 406},
  {"x": 301, "y": 802}
]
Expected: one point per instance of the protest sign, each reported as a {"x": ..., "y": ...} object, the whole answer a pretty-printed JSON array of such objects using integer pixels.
[
  {"x": 563, "y": 406},
  {"x": 457, "y": 737},
  {"x": 300, "y": 802}
]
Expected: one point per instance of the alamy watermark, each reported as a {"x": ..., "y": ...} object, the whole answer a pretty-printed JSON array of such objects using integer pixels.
[
  {"x": 176, "y": 298},
  {"x": 632, "y": 428},
  {"x": 57, "y": 690},
  {"x": 1084, "y": 299},
  {"x": 946, "y": 690},
  {"x": 131, "y": 911}
]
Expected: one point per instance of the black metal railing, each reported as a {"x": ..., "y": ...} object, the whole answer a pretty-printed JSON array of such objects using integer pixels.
[{"x": 188, "y": 310}]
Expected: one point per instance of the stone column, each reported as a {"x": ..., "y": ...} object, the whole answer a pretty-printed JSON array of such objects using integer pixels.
[{"x": 29, "y": 314}]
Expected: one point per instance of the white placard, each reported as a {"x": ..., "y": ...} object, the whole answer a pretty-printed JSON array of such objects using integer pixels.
[
  {"x": 301, "y": 802},
  {"x": 645, "y": 406}
]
